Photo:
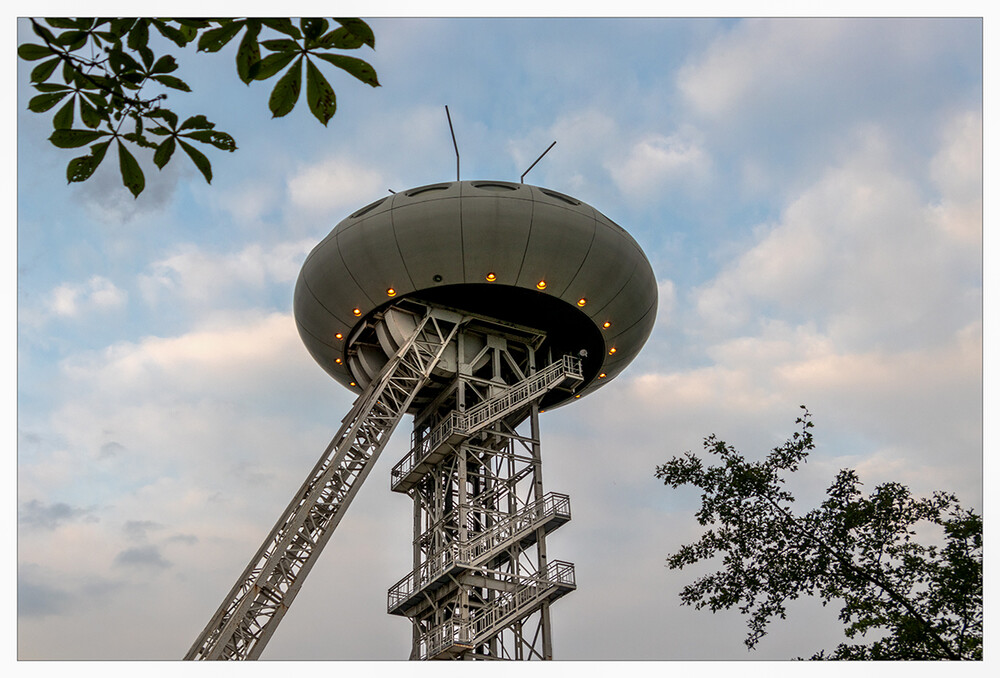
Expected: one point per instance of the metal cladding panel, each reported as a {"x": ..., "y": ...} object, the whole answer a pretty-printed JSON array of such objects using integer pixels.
[
  {"x": 609, "y": 266},
  {"x": 332, "y": 284},
  {"x": 369, "y": 251},
  {"x": 495, "y": 231},
  {"x": 559, "y": 241},
  {"x": 429, "y": 235},
  {"x": 632, "y": 338},
  {"x": 318, "y": 329},
  {"x": 634, "y": 299}
]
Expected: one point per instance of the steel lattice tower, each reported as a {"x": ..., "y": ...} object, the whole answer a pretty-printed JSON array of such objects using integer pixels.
[{"x": 473, "y": 306}]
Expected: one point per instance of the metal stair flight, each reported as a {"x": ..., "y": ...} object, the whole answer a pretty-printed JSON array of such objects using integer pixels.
[{"x": 251, "y": 611}]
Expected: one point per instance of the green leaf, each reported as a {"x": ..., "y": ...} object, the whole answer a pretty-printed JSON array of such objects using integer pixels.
[
  {"x": 312, "y": 28},
  {"x": 81, "y": 169},
  {"x": 122, "y": 62},
  {"x": 52, "y": 87},
  {"x": 358, "y": 68},
  {"x": 31, "y": 52},
  {"x": 319, "y": 94},
  {"x": 72, "y": 40},
  {"x": 164, "y": 114},
  {"x": 220, "y": 140},
  {"x": 340, "y": 38},
  {"x": 281, "y": 45},
  {"x": 197, "y": 122},
  {"x": 164, "y": 151},
  {"x": 43, "y": 102},
  {"x": 132, "y": 176},
  {"x": 42, "y": 32},
  {"x": 42, "y": 71},
  {"x": 286, "y": 91},
  {"x": 217, "y": 38},
  {"x": 248, "y": 53},
  {"x": 138, "y": 37},
  {"x": 88, "y": 114},
  {"x": 360, "y": 29},
  {"x": 283, "y": 26},
  {"x": 199, "y": 159},
  {"x": 121, "y": 26},
  {"x": 147, "y": 57},
  {"x": 179, "y": 37},
  {"x": 271, "y": 64},
  {"x": 63, "y": 23},
  {"x": 165, "y": 64},
  {"x": 63, "y": 119},
  {"x": 172, "y": 82},
  {"x": 74, "y": 138}
]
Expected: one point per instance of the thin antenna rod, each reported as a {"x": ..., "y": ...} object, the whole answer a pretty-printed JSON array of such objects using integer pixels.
[
  {"x": 458, "y": 160},
  {"x": 536, "y": 162}
]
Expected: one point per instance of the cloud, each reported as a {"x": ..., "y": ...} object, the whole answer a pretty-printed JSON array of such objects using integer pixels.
[
  {"x": 657, "y": 164},
  {"x": 136, "y": 530},
  {"x": 334, "y": 185},
  {"x": 824, "y": 66},
  {"x": 98, "y": 294},
  {"x": 37, "y": 515},
  {"x": 957, "y": 171},
  {"x": 40, "y": 600},
  {"x": 861, "y": 252},
  {"x": 143, "y": 557},
  {"x": 209, "y": 280}
]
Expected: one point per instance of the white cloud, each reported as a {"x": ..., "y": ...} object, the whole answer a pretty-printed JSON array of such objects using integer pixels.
[
  {"x": 861, "y": 252},
  {"x": 333, "y": 185},
  {"x": 957, "y": 170},
  {"x": 758, "y": 59},
  {"x": 207, "y": 279},
  {"x": 656, "y": 164},
  {"x": 96, "y": 295}
]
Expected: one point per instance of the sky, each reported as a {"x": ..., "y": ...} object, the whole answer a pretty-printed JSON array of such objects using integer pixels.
[{"x": 809, "y": 193}]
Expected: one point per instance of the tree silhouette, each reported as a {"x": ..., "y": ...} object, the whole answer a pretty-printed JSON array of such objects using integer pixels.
[{"x": 918, "y": 601}]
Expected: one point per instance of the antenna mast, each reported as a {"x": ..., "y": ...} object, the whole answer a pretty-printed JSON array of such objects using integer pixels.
[{"x": 458, "y": 160}]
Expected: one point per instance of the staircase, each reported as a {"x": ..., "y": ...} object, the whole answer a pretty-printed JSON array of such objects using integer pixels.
[
  {"x": 519, "y": 529},
  {"x": 456, "y": 636},
  {"x": 459, "y": 426}
]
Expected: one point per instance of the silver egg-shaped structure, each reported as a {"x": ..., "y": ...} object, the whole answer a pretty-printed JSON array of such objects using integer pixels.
[{"x": 522, "y": 254}]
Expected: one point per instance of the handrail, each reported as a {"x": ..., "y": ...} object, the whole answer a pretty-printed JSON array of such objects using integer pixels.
[
  {"x": 467, "y": 633},
  {"x": 470, "y": 553},
  {"x": 488, "y": 411}
]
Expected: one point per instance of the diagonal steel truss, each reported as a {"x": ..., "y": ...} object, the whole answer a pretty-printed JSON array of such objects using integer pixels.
[{"x": 251, "y": 611}]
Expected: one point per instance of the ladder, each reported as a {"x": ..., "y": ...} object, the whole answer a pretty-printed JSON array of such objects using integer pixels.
[{"x": 251, "y": 611}]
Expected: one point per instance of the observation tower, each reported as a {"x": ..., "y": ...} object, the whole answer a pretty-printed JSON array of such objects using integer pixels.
[{"x": 473, "y": 306}]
